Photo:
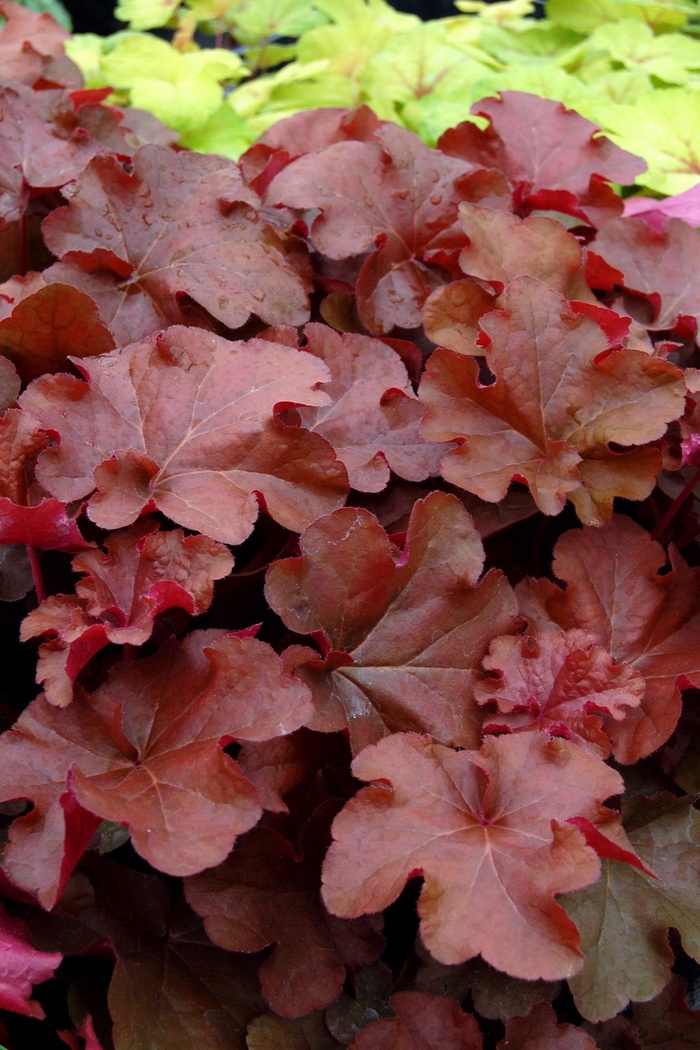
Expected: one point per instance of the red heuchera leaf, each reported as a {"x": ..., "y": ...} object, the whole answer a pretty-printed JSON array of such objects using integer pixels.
[
  {"x": 184, "y": 421},
  {"x": 145, "y": 751},
  {"x": 265, "y": 895},
  {"x": 27, "y": 41},
  {"x": 22, "y": 966},
  {"x": 44, "y": 524},
  {"x": 625, "y": 918},
  {"x": 84, "y": 1039},
  {"x": 487, "y": 831},
  {"x": 10, "y": 384},
  {"x": 656, "y": 213},
  {"x": 171, "y": 986},
  {"x": 422, "y": 1022},
  {"x": 542, "y": 147},
  {"x": 50, "y": 324},
  {"x": 403, "y": 632},
  {"x": 373, "y": 419},
  {"x": 662, "y": 266},
  {"x": 559, "y": 399},
  {"x": 143, "y": 573},
  {"x": 559, "y": 682},
  {"x": 540, "y": 1031},
  {"x": 395, "y": 195},
  {"x": 195, "y": 232},
  {"x": 501, "y": 248},
  {"x": 647, "y": 621}
]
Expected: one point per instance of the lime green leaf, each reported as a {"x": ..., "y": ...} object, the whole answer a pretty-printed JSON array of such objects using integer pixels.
[
  {"x": 225, "y": 133},
  {"x": 139, "y": 55},
  {"x": 348, "y": 46},
  {"x": 214, "y": 64},
  {"x": 585, "y": 15},
  {"x": 499, "y": 12},
  {"x": 146, "y": 14},
  {"x": 664, "y": 128},
  {"x": 183, "y": 106},
  {"x": 269, "y": 55},
  {"x": 251, "y": 97},
  {"x": 669, "y": 57},
  {"x": 416, "y": 64},
  {"x": 255, "y": 20},
  {"x": 429, "y": 117},
  {"x": 380, "y": 12},
  {"x": 86, "y": 50},
  {"x": 536, "y": 43}
]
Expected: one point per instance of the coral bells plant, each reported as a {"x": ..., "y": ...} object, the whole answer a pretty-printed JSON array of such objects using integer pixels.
[{"x": 351, "y": 605}]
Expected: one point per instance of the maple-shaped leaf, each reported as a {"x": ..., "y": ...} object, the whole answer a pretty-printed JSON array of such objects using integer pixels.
[
  {"x": 142, "y": 573},
  {"x": 645, "y": 618},
  {"x": 21, "y": 967},
  {"x": 145, "y": 751},
  {"x": 540, "y": 1030},
  {"x": 550, "y": 155},
  {"x": 373, "y": 417},
  {"x": 44, "y": 524},
  {"x": 664, "y": 1023},
  {"x": 278, "y": 766},
  {"x": 487, "y": 830},
  {"x": 49, "y": 325},
  {"x": 179, "y": 224},
  {"x": 28, "y": 41},
  {"x": 559, "y": 399},
  {"x": 660, "y": 265},
  {"x": 624, "y": 918},
  {"x": 184, "y": 421},
  {"x": 403, "y": 632},
  {"x": 501, "y": 248},
  {"x": 264, "y": 894},
  {"x": 171, "y": 986},
  {"x": 558, "y": 682},
  {"x": 422, "y": 1022},
  {"x": 394, "y": 198}
]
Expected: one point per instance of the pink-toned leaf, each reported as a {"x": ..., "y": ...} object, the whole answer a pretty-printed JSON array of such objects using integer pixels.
[
  {"x": 662, "y": 266},
  {"x": 373, "y": 419},
  {"x": 422, "y": 1022},
  {"x": 143, "y": 573},
  {"x": 656, "y": 213},
  {"x": 264, "y": 894},
  {"x": 195, "y": 232},
  {"x": 21, "y": 967},
  {"x": 145, "y": 751},
  {"x": 549, "y": 154},
  {"x": 48, "y": 326},
  {"x": 9, "y": 384},
  {"x": 84, "y": 1038},
  {"x": 487, "y": 830},
  {"x": 558, "y": 401},
  {"x": 393, "y": 195},
  {"x": 27, "y": 41},
  {"x": 192, "y": 419},
  {"x": 558, "y": 682},
  {"x": 643, "y": 619},
  {"x": 403, "y": 632},
  {"x": 540, "y": 1031}
]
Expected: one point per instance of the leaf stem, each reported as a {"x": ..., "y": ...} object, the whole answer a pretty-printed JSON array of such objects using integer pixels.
[
  {"x": 36, "y": 574},
  {"x": 678, "y": 502}
]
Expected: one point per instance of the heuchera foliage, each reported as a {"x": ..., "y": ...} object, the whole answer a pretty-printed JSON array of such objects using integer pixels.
[{"x": 351, "y": 622}]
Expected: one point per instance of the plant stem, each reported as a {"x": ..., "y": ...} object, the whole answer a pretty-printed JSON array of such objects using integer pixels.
[
  {"x": 678, "y": 502},
  {"x": 36, "y": 574}
]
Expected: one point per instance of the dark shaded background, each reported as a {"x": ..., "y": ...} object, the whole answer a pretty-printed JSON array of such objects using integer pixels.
[{"x": 95, "y": 16}]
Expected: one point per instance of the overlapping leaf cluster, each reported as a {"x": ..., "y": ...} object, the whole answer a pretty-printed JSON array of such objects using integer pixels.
[
  {"x": 633, "y": 68},
  {"x": 348, "y": 532}
]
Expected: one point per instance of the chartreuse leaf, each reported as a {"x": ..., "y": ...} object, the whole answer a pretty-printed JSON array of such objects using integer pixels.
[
  {"x": 535, "y": 43},
  {"x": 381, "y": 13},
  {"x": 253, "y": 21},
  {"x": 671, "y": 57},
  {"x": 586, "y": 15},
  {"x": 347, "y": 46},
  {"x": 504, "y": 11},
  {"x": 225, "y": 132},
  {"x": 664, "y": 128},
  {"x": 146, "y": 14}
]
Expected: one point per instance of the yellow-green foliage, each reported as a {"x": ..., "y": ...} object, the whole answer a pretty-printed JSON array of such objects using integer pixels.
[{"x": 633, "y": 68}]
